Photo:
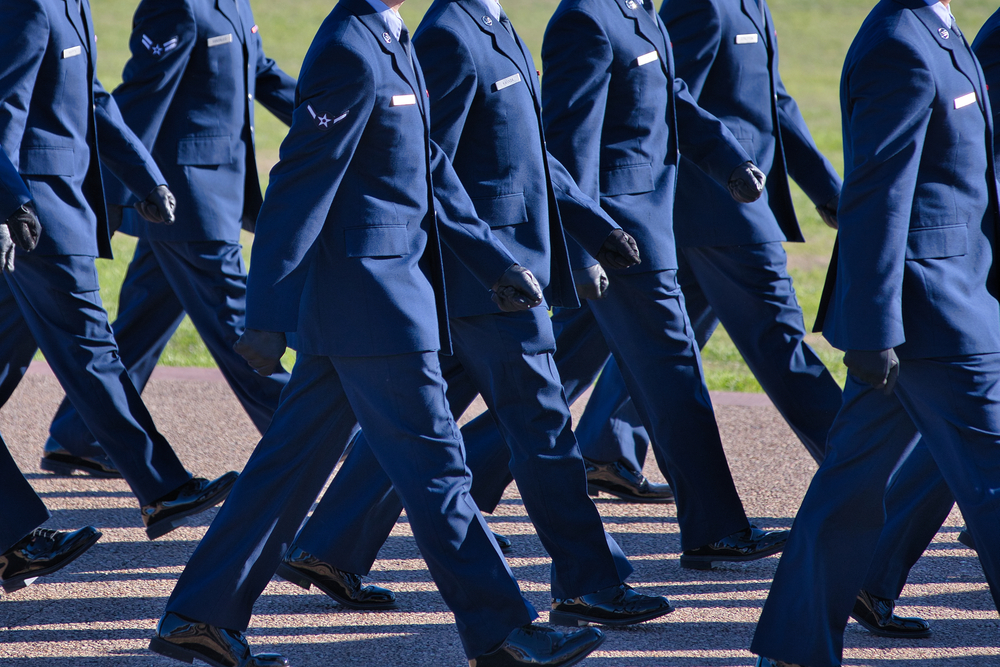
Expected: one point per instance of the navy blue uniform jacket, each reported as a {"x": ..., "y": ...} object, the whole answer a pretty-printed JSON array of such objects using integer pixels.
[
  {"x": 918, "y": 213},
  {"x": 187, "y": 92},
  {"x": 729, "y": 60},
  {"x": 348, "y": 251},
  {"x": 53, "y": 111},
  {"x": 612, "y": 106},
  {"x": 486, "y": 117}
]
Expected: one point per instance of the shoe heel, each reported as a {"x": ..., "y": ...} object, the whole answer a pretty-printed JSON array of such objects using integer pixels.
[
  {"x": 593, "y": 492},
  {"x": 691, "y": 564},
  {"x": 15, "y": 586},
  {"x": 166, "y": 649},
  {"x": 291, "y": 576},
  {"x": 55, "y": 467},
  {"x": 158, "y": 530},
  {"x": 568, "y": 620}
]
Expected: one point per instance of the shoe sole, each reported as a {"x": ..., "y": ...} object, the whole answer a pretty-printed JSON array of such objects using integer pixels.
[
  {"x": 16, "y": 584},
  {"x": 161, "y": 528},
  {"x": 67, "y": 469},
  {"x": 168, "y": 650},
  {"x": 570, "y": 620},
  {"x": 706, "y": 562},
  {"x": 596, "y": 491},
  {"x": 876, "y": 630},
  {"x": 293, "y": 576}
]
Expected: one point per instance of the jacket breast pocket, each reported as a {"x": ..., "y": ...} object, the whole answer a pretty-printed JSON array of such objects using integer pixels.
[
  {"x": 48, "y": 156},
  {"x": 937, "y": 242},
  {"x": 502, "y": 210},
  {"x": 203, "y": 151},
  {"x": 384, "y": 241},
  {"x": 631, "y": 179}
]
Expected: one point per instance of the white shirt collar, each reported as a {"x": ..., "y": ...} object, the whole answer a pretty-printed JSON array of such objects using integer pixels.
[
  {"x": 944, "y": 13},
  {"x": 392, "y": 20},
  {"x": 493, "y": 7}
]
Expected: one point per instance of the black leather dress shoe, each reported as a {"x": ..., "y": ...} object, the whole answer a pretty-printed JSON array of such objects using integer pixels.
[
  {"x": 303, "y": 569},
  {"x": 57, "y": 459},
  {"x": 42, "y": 552},
  {"x": 194, "y": 496},
  {"x": 541, "y": 647},
  {"x": 746, "y": 545},
  {"x": 877, "y": 616},
  {"x": 767, "y": 662},
  {"x": 504, "y": 543},
  {"x": 616, "y": 606},
  {"x": 187, "y": 640},
  {"x": 965, "y": 537},
  {"x": 620, "y": 480}
]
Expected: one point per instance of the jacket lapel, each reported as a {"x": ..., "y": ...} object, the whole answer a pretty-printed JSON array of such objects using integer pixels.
[
  {"x": 752, "y": 10},
  {"x": 391, "y": 46},
  {"x": 647, "y": 29},
  {"x": 228, "y": 9},
  {"x": 961, "y": 55},
  {"x": 501, "y": 42},
  {"x": 78, "y": 24}
]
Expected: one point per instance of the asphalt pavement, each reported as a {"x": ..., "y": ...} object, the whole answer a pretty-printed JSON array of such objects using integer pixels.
[{"x": 101, "y": 610}]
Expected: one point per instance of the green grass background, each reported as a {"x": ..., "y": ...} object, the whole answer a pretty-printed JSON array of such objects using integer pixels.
[{"x": 813, "y": 37}]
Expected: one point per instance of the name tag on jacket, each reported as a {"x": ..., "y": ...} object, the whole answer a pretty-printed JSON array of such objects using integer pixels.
[
  {"x": 747, "y": 39},
  {"x": 403, "y": 100},
  {"x": 72, "y": 51},
  {"x": 507, "y": 83},
  {"x": 647, "y": 58},
  {"x": 965, "y": 100},
  {"x": 220, "y": 40}
]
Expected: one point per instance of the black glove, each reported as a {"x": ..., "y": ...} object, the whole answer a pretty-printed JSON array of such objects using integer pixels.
[
  {"x": 6, "y": 249},
  {"x": 746, "y": 183},
  {"x": 879, "y": 368},
  {"x": 262, "y": 349},
  {"x": 23, "y": 227},
  {"x": 517, "y": 290},
  {"x": 591, "y": 283},
  {"x": 158, "y": 206},
  {"x": 828, "y": 211},
  {"x": 619, "y": 251}
]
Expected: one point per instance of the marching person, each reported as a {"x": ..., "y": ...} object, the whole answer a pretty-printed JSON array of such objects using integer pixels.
[
  {"x": 348, "y": 257},
  {"x": 188, "y": 92},
  {"x": 52, "y": 112},
  {"x": 26, "y": 550},
  {"x": 612, "y": 108},
  {"x": 481, "y": 81},
  {"x": 913, "y": 302}
]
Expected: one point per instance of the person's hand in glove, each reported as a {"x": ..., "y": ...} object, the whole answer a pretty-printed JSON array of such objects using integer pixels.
[
  {"x": 517, "y": 290},
  {"x": 158, "y": 206},
  {"x": 24, "y": 228},
  {"x": 591, "y": 283},
  {"x": 746, "y": 183},
  {"x": 828, "y": 212},
  {"x": 879, "y": 368},
  {"x": 20, "y": 230},
  {"x": 262, "y": 349},
  {"x": 619, "y": 251}
]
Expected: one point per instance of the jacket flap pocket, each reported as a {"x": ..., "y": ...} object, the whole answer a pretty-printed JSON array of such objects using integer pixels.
[
  {"x": 385, "y": 241},
  {"x": 937, "y": 242},
  {"x": 205, "y": 150},
  {"x": 627, "y": 180},
  {"x": 44, "y": 154},
  {"x": 502, "y": 210}
]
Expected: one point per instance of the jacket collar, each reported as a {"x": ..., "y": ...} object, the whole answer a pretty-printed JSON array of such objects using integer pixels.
[
  {"x": 82, "y": 28},
  {"x": 753, "y": 12}
]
